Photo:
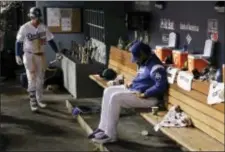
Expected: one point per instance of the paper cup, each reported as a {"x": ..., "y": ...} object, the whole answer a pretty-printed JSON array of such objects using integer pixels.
[{"x": 155, "y": 110}]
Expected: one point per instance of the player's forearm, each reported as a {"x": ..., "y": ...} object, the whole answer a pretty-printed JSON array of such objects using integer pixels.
[
  {"x": 18, "y": 48},
  {"x": 157, "y": 89},
  {"x": 53, "y": 45}
]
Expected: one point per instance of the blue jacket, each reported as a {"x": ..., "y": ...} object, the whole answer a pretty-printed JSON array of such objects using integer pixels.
[{"x": 151, "y": 79}]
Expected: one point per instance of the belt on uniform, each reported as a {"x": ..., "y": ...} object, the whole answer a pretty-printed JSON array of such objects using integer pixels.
[
  {"x": 42, "y": 55},
  {"x": 38, "y": 53}
]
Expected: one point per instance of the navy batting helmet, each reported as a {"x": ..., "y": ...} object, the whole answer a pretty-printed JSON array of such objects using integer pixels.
[{"x": 35, "y": 13}]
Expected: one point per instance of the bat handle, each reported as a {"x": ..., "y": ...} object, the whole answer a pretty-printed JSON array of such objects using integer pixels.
[{"x": 53, "y": 61}]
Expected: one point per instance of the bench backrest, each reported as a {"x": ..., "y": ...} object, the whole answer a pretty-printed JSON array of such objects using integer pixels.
[{"x": 120, "y": 61}]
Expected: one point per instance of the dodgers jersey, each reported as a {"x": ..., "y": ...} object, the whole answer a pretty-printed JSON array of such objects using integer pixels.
[{"x": 33, "y": 38}]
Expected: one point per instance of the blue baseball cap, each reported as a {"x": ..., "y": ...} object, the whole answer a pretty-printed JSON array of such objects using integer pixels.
[{"x": 136, "y": 49}]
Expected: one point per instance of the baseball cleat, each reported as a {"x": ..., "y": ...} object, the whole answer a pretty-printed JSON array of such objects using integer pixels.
[
  {"x": 94, "y": 133},
  {"x": 103, "y": 139},
  {"x": 33, "y": 106},
  {"x": 41, "y": 104}
]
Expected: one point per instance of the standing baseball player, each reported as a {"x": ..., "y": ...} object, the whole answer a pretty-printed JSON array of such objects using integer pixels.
[
  {"x": 30, "y": 41},
  {"x": 148, "y": 86}
]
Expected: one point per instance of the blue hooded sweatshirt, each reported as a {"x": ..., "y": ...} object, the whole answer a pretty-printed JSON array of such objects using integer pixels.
[{"x": 151, "y": 78}]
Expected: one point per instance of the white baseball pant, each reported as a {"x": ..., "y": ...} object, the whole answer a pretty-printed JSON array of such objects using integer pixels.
[
  {"x": 35, "y": 74},
  {"x": 114, "y": 98}
]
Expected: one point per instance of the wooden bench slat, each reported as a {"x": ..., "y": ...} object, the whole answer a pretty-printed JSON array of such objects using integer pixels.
[
  {"x": 122, "y": 56},
  {"x": 198, "y": 105},
  {"x": 217, "y": 125},
  {"x": 199, "y": 97},
  {"x": 211, "y": 132},
  {"x": 123, "y": 68},
  {"x": 98, "y": 80},
  {"x": 205, "y": 123},
  {"x": 188, "y": 137},
  {"x": 126, "y": 75},
  {"x": 200, "y": 86},
  {"x": 124, "y": 62}
]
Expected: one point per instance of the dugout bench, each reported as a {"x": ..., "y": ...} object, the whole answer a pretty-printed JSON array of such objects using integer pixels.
[{"x": 207, "y": 133}]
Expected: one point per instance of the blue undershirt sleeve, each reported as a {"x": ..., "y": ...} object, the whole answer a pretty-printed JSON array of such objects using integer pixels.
[
  {"x": 53, "y": 45},
  {"x": 19, "y": 48}
]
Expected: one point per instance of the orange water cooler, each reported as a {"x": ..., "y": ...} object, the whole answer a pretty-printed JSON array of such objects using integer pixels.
[
  {"x": 196, "y": 63},
  {"x": 163, "y": 52},
  {"x": 199, "y": 61},
  {"x": 179, "y": 58}
]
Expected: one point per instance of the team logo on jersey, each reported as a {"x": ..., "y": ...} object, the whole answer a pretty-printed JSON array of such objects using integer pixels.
[
  {"x": 32, "y": 37},
  {"x": 158, "y": 76}
]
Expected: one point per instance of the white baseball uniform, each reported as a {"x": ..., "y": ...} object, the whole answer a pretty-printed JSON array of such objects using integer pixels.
[
  {"x": 115, "y": 97},
  {"x": 34, "y": 61}
]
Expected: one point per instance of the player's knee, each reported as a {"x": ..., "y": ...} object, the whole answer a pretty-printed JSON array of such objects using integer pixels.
[
  {"x": 105, "y": 91},
  {"x": 31, "y": 82},
  {"x": 108, "y": 90},
  {"x": 117, "y": 97},
  {"x": 32, "y": 76},
  {"x": 39, "y": 81}
]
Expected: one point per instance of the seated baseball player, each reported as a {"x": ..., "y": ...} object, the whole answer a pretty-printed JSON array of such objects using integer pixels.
[
  {"x": 29, "y": 50},
  {"x": 143, "y": 92}
]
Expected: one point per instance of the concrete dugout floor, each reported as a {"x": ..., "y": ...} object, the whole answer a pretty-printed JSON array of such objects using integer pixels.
[{"x": 51, "y": 129}]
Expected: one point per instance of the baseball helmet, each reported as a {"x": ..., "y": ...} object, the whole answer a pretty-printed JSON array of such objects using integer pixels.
[
  {"x": 35, "y": 13},
  {"x": 108, "y": 74},
  {"x": 137, "y": 48}
]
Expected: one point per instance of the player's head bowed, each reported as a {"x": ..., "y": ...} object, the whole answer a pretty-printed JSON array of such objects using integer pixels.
[{"x": 140, "y": 52}]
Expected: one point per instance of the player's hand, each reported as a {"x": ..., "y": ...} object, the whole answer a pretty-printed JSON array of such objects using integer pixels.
[
  {"x": 128, "y": 85},
  {"x": 19, "y": 60},
  {"x": 58, "y": 56},
  {"x": 140, "y": 95}
]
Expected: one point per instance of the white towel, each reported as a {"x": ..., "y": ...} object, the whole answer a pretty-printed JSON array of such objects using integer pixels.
[
  {"x": 216, "y": 93},
  {"x": 174, "y": 118},
  {"x": 171, "y": 74},
  {"x": 184, "y": 80}
]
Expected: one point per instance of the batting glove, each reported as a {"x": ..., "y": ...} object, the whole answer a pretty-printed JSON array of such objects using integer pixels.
[
  {"x": 19, "y": 60},
  {"x": 58, "y": 56}
]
